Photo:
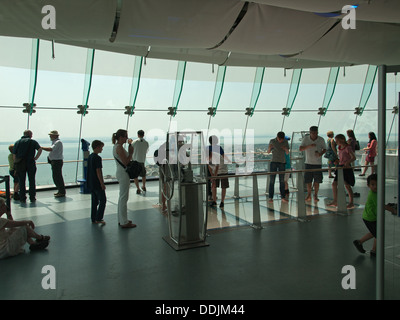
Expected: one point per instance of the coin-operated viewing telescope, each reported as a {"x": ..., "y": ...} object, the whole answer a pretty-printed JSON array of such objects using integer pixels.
[{"x": 183, "y": 183}]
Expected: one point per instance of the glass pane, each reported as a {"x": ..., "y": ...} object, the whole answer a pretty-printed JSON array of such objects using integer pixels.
[{"x": 112, "y": 81}]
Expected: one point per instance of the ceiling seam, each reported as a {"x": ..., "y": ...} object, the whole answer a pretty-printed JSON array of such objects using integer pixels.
[{"x": 239, "y": 18}]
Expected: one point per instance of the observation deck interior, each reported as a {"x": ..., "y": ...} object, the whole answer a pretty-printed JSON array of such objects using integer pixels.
[{"x": 286, "y": 259}]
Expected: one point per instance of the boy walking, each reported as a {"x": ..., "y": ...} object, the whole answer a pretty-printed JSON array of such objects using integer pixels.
[
  {"x": 369, "y": 215},
  {"x": 95, "y": 183}
]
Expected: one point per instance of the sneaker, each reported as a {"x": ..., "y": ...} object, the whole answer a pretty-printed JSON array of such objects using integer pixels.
[
  {"x": 359, "y": 246},
  {"x": 59, "y": 195},
  {"x": 39, "y": 245}
]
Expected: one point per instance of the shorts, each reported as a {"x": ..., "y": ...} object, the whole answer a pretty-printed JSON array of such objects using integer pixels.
[
  {"x": 313, "y": 175},
  {"x": 224, "y": 182},
  {"x": 348, "y": 176},
  {"x": 371, "y": 226},
  {"x": 142, "y": 172},
  {"x": 14, "y": 175}
]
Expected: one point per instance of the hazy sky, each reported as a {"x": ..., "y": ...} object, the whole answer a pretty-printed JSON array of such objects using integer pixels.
[{"x": 60, "y": 86}]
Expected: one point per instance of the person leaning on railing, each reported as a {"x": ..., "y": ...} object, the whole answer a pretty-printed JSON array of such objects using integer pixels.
[
  {"x": 56, "y": 159},
  {"x": 119, "y": 138}
]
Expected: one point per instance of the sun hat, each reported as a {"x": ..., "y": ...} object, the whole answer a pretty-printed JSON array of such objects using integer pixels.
[{"x": 53, "y": 133}]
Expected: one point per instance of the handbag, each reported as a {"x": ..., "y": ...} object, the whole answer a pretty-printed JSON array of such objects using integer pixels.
[{"x": 132, "y": 169}]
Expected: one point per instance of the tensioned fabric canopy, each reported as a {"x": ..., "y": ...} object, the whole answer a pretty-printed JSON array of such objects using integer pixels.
[{"x": 262, "y": 33}]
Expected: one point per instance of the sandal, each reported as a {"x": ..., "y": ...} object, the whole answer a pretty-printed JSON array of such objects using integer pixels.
[{"x": 128, "y": 225}]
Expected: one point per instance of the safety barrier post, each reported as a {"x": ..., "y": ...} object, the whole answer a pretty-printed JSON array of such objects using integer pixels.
[
  {"x": 236, "y": 189},
  {"x": 160, "y": 186},
  {"x": 341, "y": 193},
  {"x": 267, "y": 184},
  {"x": 301, "y": 201},
  {"x": 256, "y": 205}
]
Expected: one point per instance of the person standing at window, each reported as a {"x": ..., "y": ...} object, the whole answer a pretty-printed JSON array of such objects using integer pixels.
[
  {"x": 314, "y": 147},
  {"x": 55, "y": 158},
  {"x": 119, "y": 139},
  {"x": 370, "y": 150},
  {"x": 26, "y": 151},
  {"x": 140, "y": 148}
]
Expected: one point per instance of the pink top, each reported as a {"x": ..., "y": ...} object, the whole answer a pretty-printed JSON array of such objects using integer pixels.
[
  {"x": 345, "y": 154},
  {"x": 372, "y": 148}
]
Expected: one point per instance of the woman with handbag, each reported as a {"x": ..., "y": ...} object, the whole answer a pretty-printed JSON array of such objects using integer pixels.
[{"x": 120, "y": 154}]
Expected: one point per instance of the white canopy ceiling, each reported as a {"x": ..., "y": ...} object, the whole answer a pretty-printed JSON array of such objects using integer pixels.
[{"x": 270, "y": 33}]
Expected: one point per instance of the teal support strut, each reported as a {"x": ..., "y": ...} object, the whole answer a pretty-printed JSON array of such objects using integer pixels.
[
  {"x": 219, "y": 85},
  {"x": 367, "y": 89},
  {"x": 33, "y": 81},
  {"x": 34, "y": 72},
  {"x": 258, "y": 79},
  {"x": 137, "y": 71},
  {"x": 330, "y": 90},
  {"x": 293, "y": 90},
  {"x": 180, "y": 76},
  {"x": 88, "y": 79}
]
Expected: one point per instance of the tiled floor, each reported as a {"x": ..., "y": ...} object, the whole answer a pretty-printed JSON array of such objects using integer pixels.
[{"x": 286, "y": 259}]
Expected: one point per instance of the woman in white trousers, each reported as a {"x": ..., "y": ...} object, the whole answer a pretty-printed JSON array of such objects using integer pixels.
[{"x": 119, "y": 139}]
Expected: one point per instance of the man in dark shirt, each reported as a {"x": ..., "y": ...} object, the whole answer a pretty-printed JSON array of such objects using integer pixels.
[{"x": 29, "y": 151}]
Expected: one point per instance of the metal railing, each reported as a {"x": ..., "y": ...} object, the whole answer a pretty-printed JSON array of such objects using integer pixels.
[{"x": 301, "y": 203}]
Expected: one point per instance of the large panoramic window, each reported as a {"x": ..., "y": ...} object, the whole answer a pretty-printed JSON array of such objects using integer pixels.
[{"x": 61, "y": 85}]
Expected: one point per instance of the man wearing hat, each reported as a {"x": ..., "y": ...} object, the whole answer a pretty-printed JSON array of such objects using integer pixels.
[{"x": 55, "y": 158}]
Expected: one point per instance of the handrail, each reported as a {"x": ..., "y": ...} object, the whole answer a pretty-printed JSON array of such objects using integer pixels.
[{"x": 283, "y": 172}]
